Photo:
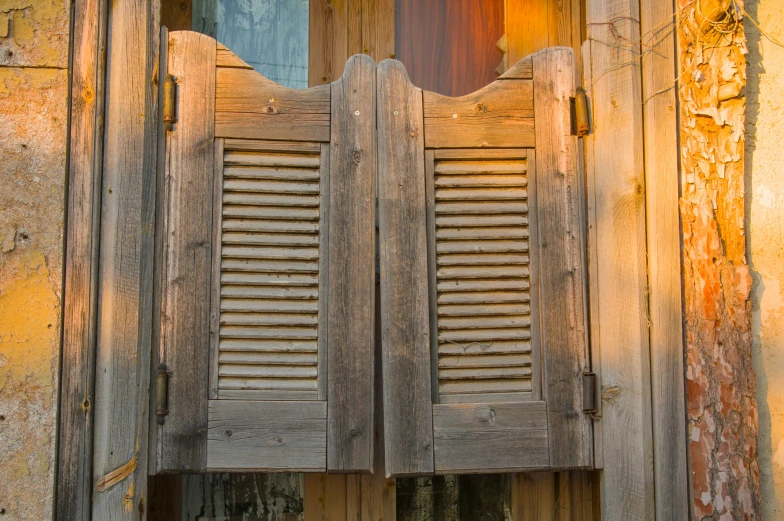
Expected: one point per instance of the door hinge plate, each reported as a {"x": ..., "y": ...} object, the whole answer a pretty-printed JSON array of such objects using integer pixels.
[
  {"x": 589, "y": 392},
  {"x": 581, "y": 122},
  {"x": 161, "y": 393},
  {"x": 169, "y": 102}
]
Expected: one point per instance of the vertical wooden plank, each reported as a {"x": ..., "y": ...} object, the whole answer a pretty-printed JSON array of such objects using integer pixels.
[
  {"x": 215, "y": 282},
  {"x": 664, "y": 261},
  {"x": 617, "y": 254},
  {"x": 563, "y": 320},
  {"x": 176, "y": 14},
  {"x": 526, "y": 28},
  {"x": 405, "y": 322},
  {"x": 124, "y": 323},
  {"x": 186, "y": 262},
  {"x": 354, "y": 26},
  {"x": 385, "y": 30},
  {"x": 533, "y": 496},
  {"x": 325, "y": 497},
  {"x": 323, "y": 281},
  {"x": 77, "y": 377},
  {"x": 352, "y": 268},
  {"x": 328, "y": 40}
]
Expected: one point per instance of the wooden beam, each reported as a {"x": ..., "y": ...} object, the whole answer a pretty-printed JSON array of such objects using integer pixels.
[
  {"x": 617, "y": 260},
  {"x": 75, "y": 450},
  {"x": 125, "y": 285},
  {"x": 664, "y": 260},
  {"x": 186, "y": 228}
]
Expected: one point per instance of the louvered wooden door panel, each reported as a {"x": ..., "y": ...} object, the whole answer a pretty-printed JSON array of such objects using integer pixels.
[
  {"x": 482, "y": 274},
  {"x": 266, "y": 327}
]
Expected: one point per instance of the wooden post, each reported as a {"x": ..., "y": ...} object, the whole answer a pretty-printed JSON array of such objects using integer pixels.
[
  {"x": 126, "y": 265},
  {"x": 664, "y": 260},
  {"x": 75, "y": 451},
  {"x": 617, "y": 260}
]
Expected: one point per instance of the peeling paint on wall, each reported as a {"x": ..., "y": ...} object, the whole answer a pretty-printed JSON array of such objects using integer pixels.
[
  {"x": 722, "y": 410},
  {"x": 33, "y": 120},
  {"x": 765, "y": 182}
]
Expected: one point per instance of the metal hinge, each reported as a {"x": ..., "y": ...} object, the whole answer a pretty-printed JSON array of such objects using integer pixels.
[
  {"x": 581, "y": 123},
  {"x": 169, "y": 102},
  {"x": 589, "y": 392},
  {"x": 161, "y": 393}
]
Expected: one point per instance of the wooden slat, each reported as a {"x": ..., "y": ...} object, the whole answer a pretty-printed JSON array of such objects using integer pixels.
[
  {"x": 327, "y": 41},
  {"x": 215, "y": 272},
  {"x": 499, "y": 115},
  {"x": 266, "y": 436},
  {"x": 534, "y": 497},
  {"x": 617, "y": 245},
  {"x": 351, "y": 268},
  {"x": 323, "y": 280},
  {"x": 660, "y": 141},
  {"x": 472, "y": 153},
  {"x": 562, "y": 273},
  {"x": 224, "y": 57},
  {"x": 249, "y": 106},
  {"x": 187, "y": 226},
  {"x": 271, "y": 146},
  {"x": 522, "y": 70},
  {"x": 516, "y": 397},
  {"x": 75, "y": 445},
  {"x": 405, "y": 322},
  {"x": 504, "y": 436}
]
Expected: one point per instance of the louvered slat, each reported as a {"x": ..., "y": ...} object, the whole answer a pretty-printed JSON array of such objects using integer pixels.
[
  {"x": 483, "y": 279},
  {"x": 269, "y": 275}
]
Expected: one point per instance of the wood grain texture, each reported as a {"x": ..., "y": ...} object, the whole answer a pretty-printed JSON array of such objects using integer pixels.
[
  {"x": 215, "y": 270},
  {"x": 499, "y": 115},
  {"x": 187, "y": 256},
  {"x": 249, "y": 106},
  {"x": 533, "y": 25},
  {"x": 125, "y": 284},
  {"x": 449, "y": 47},
  {"x": 617, "y": 255},
  {"x": 266, "y": 436},
  {"x": 660, "y": 141},
  {"x": 328, "y": 40},
  {"x": 562, "y": 260},
  {"x": 353, "y": 155},
  {"x": 77, "y": 375},
  {"x": 534, "y": 497},
  {"x": 470, "y": 437},
  {"x": 405, "y": 323},
  {"x": 226, "y": 58}
]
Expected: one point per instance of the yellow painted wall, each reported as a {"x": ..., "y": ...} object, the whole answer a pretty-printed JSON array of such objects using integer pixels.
[
  {"x": 765, "y": 186},
  {"x": 33, "y": 118}
]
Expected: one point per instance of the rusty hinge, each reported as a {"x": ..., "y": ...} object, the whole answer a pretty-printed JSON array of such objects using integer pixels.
[
  {"x": 589, "y": 392},
  {"x": 161, "y": 393},
  {"x": 169, "y": 102},
  {"x": 581, "y": 123}
]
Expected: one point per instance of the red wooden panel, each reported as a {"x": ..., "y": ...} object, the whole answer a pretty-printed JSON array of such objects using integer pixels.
[{"x": 448, "y": 46}]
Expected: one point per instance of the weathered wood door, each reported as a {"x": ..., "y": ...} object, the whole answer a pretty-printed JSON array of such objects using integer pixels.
[
  {"x": 483, "y": 273},
  {"x": 267, "y": 241},
  {"x": 267, "y": 271}
]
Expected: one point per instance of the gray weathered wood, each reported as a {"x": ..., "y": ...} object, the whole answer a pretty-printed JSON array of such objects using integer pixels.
[
  {"x": 563, "y": 316},
  {"x": 351, "y": 253},
  {"x": 77, "y": 377},
  {"x": 405, "y": 323},
  {"x": 470, "y": 437},
  {"x": 661, "y": 147},
  {"x": 617, "y": 254},
  {"x": 323, "y": 281},
  {"x": 125, "y": 287},
  {"x": 215, "y": 272},
  {"x": 499, "y": 115},
  {"x": 187, "y": 241},
  {"x": 266, "y": 436},
  {"x": 249, "y": 106}
]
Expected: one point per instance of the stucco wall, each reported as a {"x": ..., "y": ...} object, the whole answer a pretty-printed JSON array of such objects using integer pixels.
[
  {"x": 765, "y": 185},
  {"x": 33, "y": 119}
]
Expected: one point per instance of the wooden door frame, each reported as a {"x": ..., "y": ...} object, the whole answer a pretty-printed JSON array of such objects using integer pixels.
[{"x": 643, "y": 174}]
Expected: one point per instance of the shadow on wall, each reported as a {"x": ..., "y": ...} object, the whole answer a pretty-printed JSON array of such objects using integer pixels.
[{"x": 764, "y": 212}]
